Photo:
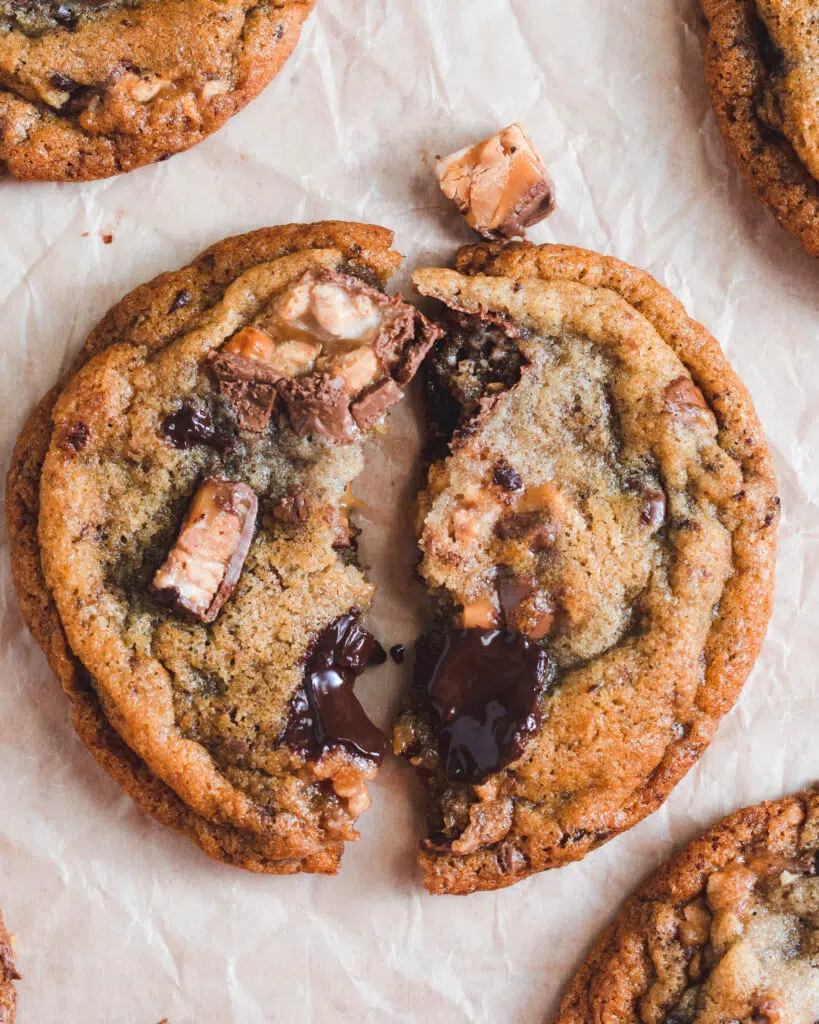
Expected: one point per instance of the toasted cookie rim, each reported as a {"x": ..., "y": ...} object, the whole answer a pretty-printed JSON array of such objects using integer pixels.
[
  {"x": 619, "y": 953},
  {"x": 362, "y": 244},
  {"x": 736, "y": 637},
  {"x": 8, "y": 975},
  {"x": 83, "y": 157},
  {"x": 733, "y": 71}
]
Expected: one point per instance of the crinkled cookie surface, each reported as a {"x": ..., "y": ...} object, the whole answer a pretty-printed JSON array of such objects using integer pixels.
[
  {"x": 187, "y": 710},
  {"x": 599, "y": 541},
  {"x": 760, "y": 59},
  {"x": 93, "y": 89},
  {"x": 728, "y": 931}
]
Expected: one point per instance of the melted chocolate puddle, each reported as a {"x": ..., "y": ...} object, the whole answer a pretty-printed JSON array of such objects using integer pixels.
[
  {"x": 326, "y": 713},
  {"x": 484, "y": 687}
]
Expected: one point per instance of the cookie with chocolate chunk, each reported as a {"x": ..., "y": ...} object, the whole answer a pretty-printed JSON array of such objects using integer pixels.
[
  {"x": 8, "y": 975},
  {"x": 93, "y": 88},
  {"x": 598, "y": 534},
  {"x": 189, "y": 568},
  {"x": 727, "y": 931},
  {"x": 761, "y": 62}
]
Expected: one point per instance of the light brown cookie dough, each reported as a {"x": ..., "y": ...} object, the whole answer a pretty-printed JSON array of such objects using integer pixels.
[
  {"x": 727, "y": 931},
  {"x": 598, "y": 534},
  {"x": 761, "y": 59},
  {"x": 8, "y": 975},
  {"x": 191, "y": 717},
  {"x": 92, "y": 89}
]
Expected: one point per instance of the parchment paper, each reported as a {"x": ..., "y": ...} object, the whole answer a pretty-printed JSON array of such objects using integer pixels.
[{"x": 118, "y": 920}]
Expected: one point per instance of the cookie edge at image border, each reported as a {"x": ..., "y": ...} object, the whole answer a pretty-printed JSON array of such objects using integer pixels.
[
  {"x": 734, "y": 72},
  {"x": 729, "y": 663},
  {"x": 619, "y": 953},
  {"x": 8, "y": 975},
  {"x": 97, "y": 157},
  {"x": 367, "y": 246}
]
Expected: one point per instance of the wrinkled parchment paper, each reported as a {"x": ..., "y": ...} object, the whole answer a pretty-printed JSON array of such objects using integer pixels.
[{"x": 118, "y": 920}]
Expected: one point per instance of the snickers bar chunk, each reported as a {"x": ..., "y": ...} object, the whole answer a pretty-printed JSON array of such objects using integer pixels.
[
  {"x": 500, "y": 185},
  {"x": 598, "y": 528},
  {"x": 195, "y": 538},
  {"x": 203, "y": 567},
  {"x": 335, "y": 350}
]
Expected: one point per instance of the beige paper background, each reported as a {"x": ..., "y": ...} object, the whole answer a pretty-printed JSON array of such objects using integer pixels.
[{"x": 118, "y": 920}]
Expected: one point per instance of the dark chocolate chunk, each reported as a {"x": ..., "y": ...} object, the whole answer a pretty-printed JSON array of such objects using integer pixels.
[
  {"x": 76, "y": 439},
  {"x": 484, "y": 689},
  {"x": 397, "y": 652},
  {"x": 653, "y": 511},
  {"x": 181, "y": 299},
  {"x": 293, "y": 508},
  {"x": 507, "y": 477},
  {"x": 684, "y": 400},
  {"x": 325, "y": 712},
  {"x": 190, "y": 426}
]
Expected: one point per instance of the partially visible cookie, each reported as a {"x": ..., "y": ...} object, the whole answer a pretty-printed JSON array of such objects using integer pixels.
[
  {"x": 236, "y": 722},
  {"x": 8, "y": 975},
  {"x": 728, "y": 931},
  {"x": 598, "y": 534},
  {"x": 93, "y": 88},
  {"x": 761, "y": 59}
]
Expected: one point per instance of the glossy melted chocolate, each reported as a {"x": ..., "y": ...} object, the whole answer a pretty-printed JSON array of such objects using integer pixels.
[
  {"x": 485, "y": 690},
  {"x": 191, "y": 426},
  {"x": 326, "y": 713}
]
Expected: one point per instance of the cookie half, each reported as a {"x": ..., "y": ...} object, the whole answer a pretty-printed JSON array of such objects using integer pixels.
[
  {"x": 727, "y": 931},
  {"x": 761, "y": 59},
  {"x": 93, "y": 88},
  {"x": 598, "y": 536},
  {"x": 181, "y": 549},
  {"x": 8, "y": 975}
]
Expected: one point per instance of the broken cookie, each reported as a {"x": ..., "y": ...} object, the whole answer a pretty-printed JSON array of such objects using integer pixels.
[
  {"x": 500, "y": 185},
  {"x": 597, "y": 530},
  {"x": 210, "y": 652}
]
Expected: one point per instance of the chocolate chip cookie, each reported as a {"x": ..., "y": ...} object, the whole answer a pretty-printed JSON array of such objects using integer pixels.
[
  {"x": 761, "y": 59},
  {"x": 181, "y": 545},
  {"x": 598, "y": 535},
  {"x": 93, "y": 88},
  {"x": 8, "y": 975},
  {"x": 727, "y": 931}
]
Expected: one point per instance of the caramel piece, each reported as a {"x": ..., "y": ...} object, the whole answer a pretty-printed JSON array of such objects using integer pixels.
[
  {"x": 501, "y": 185},
  {"x": 204, "y": 565},
  {"x": 684, "y": 400}
]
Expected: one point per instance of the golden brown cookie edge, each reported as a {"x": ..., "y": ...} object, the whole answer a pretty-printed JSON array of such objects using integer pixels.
[
  {"x": 362, "y": 244},
  {"x": 736, "y": 639},
  {"x": 608, "y": 980},
  {"x": 734, "y": 72},
  {"x": 90, "y": 158}
]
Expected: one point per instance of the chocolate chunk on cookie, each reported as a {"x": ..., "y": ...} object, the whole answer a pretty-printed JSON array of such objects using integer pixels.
[
  {"x": 726, "y": 931},
  {"x": 761, "y": 61},
  {"x": 93, "y": 88},
  {"x": 602, "y": 581},
  {"x": 188, "y": 627}
]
